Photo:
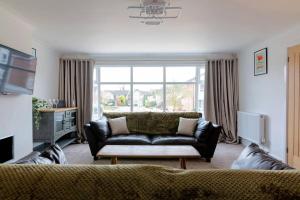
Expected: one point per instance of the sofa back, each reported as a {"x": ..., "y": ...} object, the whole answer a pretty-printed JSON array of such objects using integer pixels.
[
  {"x": 144, "y": 182},
  {"x": 153, "y": 122}
]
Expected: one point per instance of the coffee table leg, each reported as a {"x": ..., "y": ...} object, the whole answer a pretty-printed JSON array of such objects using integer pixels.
[
  {"x": 182, "y": 163},
  {"x": 114, "y": 160}
]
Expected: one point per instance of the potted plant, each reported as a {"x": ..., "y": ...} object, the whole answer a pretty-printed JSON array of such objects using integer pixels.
[{"x": 36, "y": 105}]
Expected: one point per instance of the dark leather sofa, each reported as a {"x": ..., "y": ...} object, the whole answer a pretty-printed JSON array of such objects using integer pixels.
[
  {"x": 253, "y": 157},
  {"x": 154, "y": 129}
]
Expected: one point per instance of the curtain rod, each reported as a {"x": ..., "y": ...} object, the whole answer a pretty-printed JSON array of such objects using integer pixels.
[{"x": 152, "y": 57}]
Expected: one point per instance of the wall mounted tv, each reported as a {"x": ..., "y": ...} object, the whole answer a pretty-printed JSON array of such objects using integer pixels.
[{"x": 17, "y": 71}]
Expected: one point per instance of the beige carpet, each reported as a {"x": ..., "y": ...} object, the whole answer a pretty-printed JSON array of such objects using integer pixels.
[{"x": 224, "y": 156}]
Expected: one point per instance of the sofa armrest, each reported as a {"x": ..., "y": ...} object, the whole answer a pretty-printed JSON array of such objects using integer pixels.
[
  {"x": 213, "y": 139},
  {"x": 100, "y": 129},
  {"x": 96, "y": 141},
  {"x": 203, "y": 130},
  {"x": 207, "y": 135}
]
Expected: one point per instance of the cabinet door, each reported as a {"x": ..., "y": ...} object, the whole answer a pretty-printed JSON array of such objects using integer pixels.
[
  {"x": 73, "y": 120},
  {"x": 59, "y": 121},
  {"x": 67, "y": 125}
]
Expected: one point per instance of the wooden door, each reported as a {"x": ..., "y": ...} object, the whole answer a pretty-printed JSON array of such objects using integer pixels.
[{"x": 293, "y": 115}]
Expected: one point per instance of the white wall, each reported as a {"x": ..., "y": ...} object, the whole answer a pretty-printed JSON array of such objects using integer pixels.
[
  {"x": 16, "y": 110},
  {"x": 46, "y": 79},
  {"x": 266, "y": 94}
]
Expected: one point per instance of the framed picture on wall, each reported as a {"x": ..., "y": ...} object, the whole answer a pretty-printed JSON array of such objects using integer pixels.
[{"x": 261, "y": 62}]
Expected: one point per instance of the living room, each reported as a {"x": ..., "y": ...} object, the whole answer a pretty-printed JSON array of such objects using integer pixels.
[{"x": 121, "y": 85}]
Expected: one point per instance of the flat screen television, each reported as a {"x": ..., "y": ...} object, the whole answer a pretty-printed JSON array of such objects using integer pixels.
[{"x": 17, "y": 71}]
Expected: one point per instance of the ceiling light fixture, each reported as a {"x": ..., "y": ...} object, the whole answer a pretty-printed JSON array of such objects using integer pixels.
[{"x": 154, "y": 12}]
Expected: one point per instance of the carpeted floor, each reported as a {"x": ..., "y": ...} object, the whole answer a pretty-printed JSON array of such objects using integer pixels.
[{"x": 224, "y": 156}]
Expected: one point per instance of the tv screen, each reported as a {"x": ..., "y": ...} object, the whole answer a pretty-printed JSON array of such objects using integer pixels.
[
  {"x": 6, "y": 149},
  {"x": 17, "y": 71}
]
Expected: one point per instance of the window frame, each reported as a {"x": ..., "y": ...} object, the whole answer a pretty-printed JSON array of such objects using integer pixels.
[{"x": 164, "y": 83}]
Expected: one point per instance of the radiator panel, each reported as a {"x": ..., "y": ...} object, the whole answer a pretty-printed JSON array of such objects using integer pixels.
[{"x": 251, "y": 126}]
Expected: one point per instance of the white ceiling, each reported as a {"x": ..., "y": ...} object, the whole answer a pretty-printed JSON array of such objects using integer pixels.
[{"x": 103, "y": 26}]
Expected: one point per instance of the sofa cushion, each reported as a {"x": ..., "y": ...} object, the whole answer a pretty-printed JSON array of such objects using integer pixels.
[
  {"x": 153, "y": 122},
  {"x": 173, "y": 140},
  {"x": 56, "y": 154},
  {"x": 187, "y": 126},
  {"x": 131, "y": 139},
  {"x": 118, "y": 126},
  {"x": 52, "y": 155},
  {"x": 253, "y": 157},
  {"x": 203, "y": 129},
  {"x": 34, "y": 158}
]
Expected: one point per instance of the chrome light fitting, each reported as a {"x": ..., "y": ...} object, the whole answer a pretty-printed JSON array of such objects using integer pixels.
[{"x": 154, "y": 12}]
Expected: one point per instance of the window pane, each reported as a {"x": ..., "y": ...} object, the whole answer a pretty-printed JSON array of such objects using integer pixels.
[
  {"x": 95, "y": 75},
  {"x": 148, "y": 74},
  {"x": 202, "y": 73},
  {"x": 180, "y": 97},
  {"x": 115, "y": 74},
  {"x": 96, "y": 111},
  {"x": 181, "y": 74},
  {"x": 201, "y": 100},
  {"x": 201, "y": 90},
  {"x": 115, "y": 98},
  {"x": 148, "y": 98}
]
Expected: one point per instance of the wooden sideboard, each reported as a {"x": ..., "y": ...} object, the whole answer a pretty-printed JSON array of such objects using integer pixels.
[{"x": 57, "y": 125}]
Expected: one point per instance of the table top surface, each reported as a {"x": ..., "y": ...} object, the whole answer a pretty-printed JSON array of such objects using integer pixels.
[{"x": 154, "y": 151}]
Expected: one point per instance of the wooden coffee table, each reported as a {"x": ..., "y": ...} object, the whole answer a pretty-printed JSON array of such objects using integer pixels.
[{"x": 182, "y": 152}]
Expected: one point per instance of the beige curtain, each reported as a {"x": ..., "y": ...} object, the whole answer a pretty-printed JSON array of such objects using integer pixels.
[
  {"x": 75, "y": 85},
  {"x": 222, "y": 96}
]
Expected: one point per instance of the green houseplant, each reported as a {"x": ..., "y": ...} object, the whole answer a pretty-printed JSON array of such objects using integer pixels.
[{"x": 36, "y": 105}]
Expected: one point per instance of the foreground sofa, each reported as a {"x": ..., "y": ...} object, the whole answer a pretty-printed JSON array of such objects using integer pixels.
[
  {"x": 154, "y": 128},
  {"x": 119, "y": 182},
  {"x": 51, "y": 155}
]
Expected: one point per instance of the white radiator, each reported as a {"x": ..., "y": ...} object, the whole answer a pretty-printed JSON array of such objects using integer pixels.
[{"x": 251, "y": 126}]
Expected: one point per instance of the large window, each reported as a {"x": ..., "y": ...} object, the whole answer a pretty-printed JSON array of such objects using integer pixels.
[{"x": 142, "y": 89}]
